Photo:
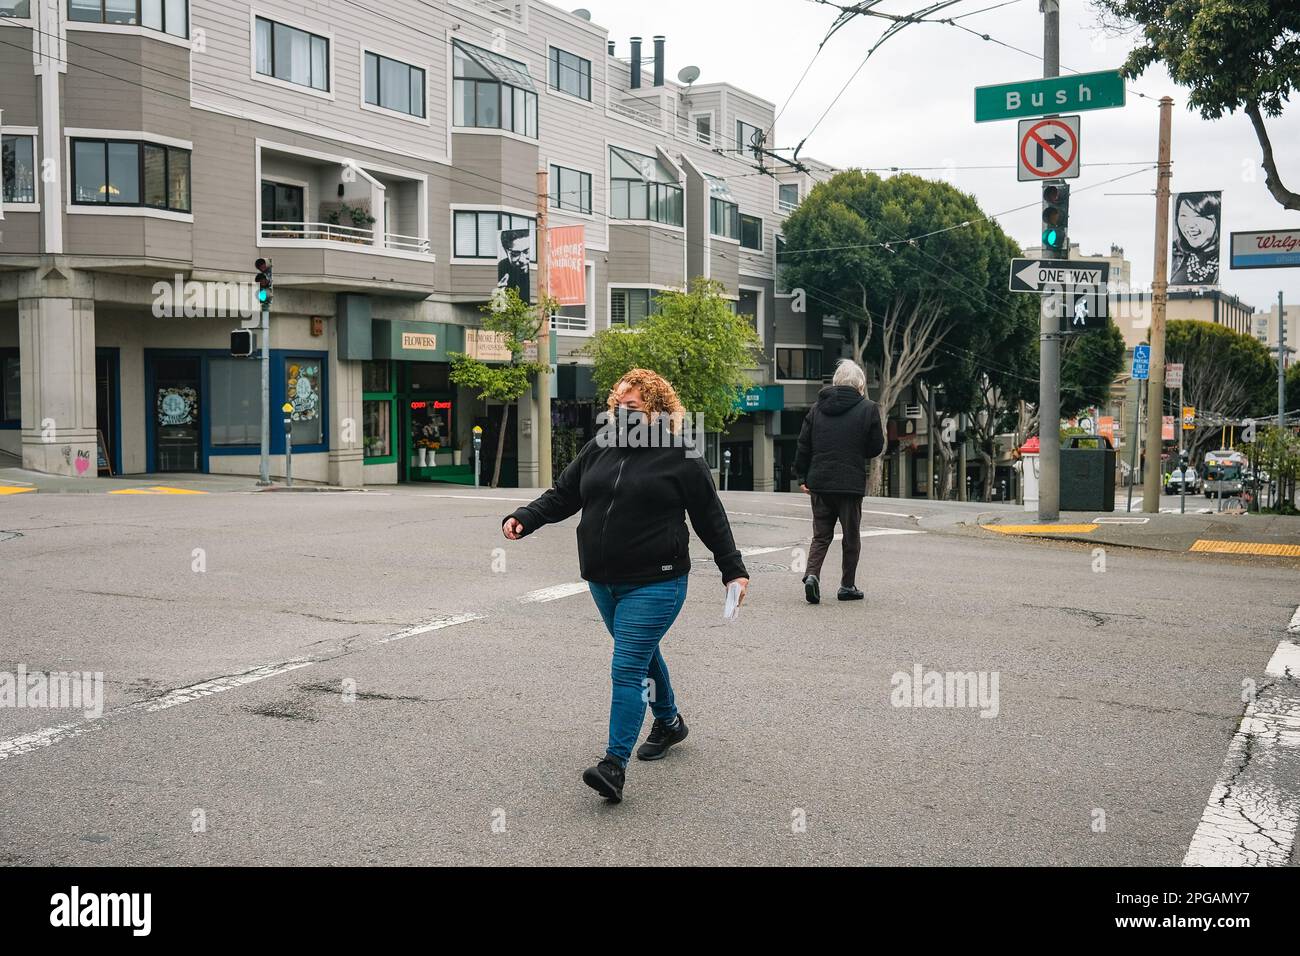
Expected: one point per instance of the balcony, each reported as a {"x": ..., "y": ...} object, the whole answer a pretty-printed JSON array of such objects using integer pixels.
[{"x": 335, "y": 232}]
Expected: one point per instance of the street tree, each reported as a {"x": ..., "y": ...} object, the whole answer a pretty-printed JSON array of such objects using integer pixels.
[
  {"x": 905, "y": 263},
  {"x": 694, "y": 340},
  {"x": 504, "y": 382},
  {"x": 1090, "y": 363},
  {"x": 1231, "y": 54},
  {"x": 1226, "y": 374}
]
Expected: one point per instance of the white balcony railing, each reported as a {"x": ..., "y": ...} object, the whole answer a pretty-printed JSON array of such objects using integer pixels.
[
  {"x": 334, "y": 232},
  {"x": 649, "y": 119},
  {"x": 787, "y": 206}
]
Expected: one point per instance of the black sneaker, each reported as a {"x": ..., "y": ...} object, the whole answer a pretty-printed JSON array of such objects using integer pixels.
[
  {"x": 661, "y": 738},
  {"x": 812, "y": 589},
  {"x": 850, "y": 594},
  {"x": 606, "y": 778}
]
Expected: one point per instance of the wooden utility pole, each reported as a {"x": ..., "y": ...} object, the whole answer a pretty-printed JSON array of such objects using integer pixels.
[
  {"x": 1152, "y": 477},
  {"x": 544, "y": 477}
]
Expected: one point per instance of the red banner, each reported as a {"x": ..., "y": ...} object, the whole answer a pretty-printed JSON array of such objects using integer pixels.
[{"x": 566, "y": 265}]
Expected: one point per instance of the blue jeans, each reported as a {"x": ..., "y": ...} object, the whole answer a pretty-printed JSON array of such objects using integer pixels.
[{"x": 638, "y": 616}]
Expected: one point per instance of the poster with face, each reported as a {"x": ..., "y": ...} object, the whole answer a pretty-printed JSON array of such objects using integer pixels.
[
  {"x": 512, "y": 268},
  {"x": 1196, "y": 238}
]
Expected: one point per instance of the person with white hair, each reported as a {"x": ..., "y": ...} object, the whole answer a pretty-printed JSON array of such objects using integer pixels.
[{"x": 840, "y": 434}]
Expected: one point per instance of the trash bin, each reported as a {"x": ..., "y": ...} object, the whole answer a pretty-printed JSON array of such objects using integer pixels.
[{"x": 1088, "y": 474}]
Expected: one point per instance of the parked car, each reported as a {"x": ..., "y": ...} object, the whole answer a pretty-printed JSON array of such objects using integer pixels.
[{"x": 1174, "y": 483}]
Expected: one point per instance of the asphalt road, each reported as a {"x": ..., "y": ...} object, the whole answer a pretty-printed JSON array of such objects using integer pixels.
[{"x": 474, "y": 711}]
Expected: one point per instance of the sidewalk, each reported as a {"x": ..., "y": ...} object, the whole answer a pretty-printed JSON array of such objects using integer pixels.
[
  {"x": 1268, "y": 535},
  {"x": 14, "y": 481}
]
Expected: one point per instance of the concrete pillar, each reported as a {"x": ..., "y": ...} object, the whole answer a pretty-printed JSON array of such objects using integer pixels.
[
  {"x": 903, "y": 460},
  {"x": 347, "y": 448},
  {"x": 56, "y": 350},
  {"x": 764, "y": 452}
]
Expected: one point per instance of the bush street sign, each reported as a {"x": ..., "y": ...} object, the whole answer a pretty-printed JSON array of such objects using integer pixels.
[{"x": 1059, "y": 94}]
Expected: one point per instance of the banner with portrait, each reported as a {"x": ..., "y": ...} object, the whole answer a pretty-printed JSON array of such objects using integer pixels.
[
  {"x": 1197, "y": 220},
  {"x": 515, "y": 247}
]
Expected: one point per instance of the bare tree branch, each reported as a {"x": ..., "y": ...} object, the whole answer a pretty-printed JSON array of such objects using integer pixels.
[{"x": 1288, "y": 199}]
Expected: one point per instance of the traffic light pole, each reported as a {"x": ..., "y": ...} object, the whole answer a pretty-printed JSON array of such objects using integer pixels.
[
  {"x": 1151, "y": 476},
  {"x": 265, "y": 471},
  {"x": 1049, "y": 328}
]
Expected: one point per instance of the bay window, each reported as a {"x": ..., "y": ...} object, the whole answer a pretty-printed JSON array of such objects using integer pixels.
[
  {"x": 130, "y": 173},
  {"x": 477, "y": 234},
  {"x": 642, "y": 187},
  {"x": 18, "y": 169},
  {"x": 492, "y": 92},
  {"x": 799, "y": 364},
  {"x": 165, "y": 16},
  {"x": 724, "y": 218},
  {"x": 631, "y": 306},
  {"x": 751, "y": 232}
]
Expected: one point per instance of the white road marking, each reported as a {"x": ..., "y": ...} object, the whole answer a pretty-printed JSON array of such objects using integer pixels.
[
  {"x": 26, "y": 743},
  {"x": 750, "y": 552},
  {"x": 183, "y": 695},
  {"x": 475, "y": 497},
  {"x": 436, "y": 624},
  {"x": 1253, "y": 812},
  {"x": 1102, "y": 519},
  {"x": 881, "y": 532},
  {"x": 759, "y": 514},
  {"x": 1294, "y": 626},
  {"x": 553, "y": 593}
]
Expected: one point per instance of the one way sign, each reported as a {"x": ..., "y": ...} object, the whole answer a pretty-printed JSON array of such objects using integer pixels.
[{"x": 1077, "y": 289}]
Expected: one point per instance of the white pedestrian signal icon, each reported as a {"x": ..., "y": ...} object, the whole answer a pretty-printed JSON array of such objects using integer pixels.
[{"x": 1081, "y": 311}]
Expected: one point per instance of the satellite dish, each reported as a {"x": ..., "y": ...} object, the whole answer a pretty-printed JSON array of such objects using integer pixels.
[
  {"x": 582, "y": 13},
  {"x": 688, "y": 74}
]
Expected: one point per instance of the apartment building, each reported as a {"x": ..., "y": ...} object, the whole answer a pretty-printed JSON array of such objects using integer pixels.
[{"x": 154, "y": 149}]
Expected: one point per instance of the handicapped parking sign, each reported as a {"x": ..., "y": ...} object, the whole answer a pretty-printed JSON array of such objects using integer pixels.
[{"x": 1142, "y": 362}]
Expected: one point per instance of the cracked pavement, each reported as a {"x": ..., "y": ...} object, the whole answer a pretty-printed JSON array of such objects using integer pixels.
[{"x": 348, "y": 680}]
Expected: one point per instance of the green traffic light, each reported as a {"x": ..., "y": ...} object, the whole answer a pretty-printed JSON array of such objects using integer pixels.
[
  {"x": 1049, "y": 238},
  {"x": 263, "y": 295}
]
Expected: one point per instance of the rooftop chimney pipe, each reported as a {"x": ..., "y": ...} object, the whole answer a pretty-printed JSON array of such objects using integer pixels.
[
  {"x": 636, "y": 63},
  {"x": 611, "y": 47},
  {"x": 659, "y": 61}
]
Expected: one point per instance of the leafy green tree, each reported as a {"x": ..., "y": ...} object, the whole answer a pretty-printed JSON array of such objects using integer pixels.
[
  {"x": 1089, "y": 364},
  {"x": 1230, "y": 54},
  {"x": 694, "y": 340},
  {"x": 1225, "y": 374},
  {"x": 1292, "y": 387},
  {"x": 506, "y": 382},
  {"x": 908, "y": 266}
]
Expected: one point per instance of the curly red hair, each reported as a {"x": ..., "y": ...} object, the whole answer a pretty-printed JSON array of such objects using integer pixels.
[{"x": 657, "y": 394}]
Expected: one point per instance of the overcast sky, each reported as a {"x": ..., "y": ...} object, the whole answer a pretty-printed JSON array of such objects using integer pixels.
[{"x": 913, "y": 105}]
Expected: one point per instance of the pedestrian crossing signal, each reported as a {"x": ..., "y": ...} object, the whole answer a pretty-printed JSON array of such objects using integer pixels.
[
  {"x": 241, "y": 342},
  {"x": 1056, "y": 216}
]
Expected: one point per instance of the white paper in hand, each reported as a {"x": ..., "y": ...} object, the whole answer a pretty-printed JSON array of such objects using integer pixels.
[{"x": 731, "y": 610}]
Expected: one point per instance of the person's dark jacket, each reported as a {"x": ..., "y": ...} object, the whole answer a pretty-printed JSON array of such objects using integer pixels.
[
  {"x": 634, "y": 502},
  {"x": 840, "y": 433}
]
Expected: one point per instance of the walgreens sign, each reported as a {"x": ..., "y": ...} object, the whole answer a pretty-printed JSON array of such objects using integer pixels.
[{"x": 1274, "y": 249}]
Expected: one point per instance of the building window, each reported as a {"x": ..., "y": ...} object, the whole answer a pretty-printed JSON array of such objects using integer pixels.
[
  {"x": 780, "y": 284},
  {"x": 165, "y": 16},
  {"x": 788, "y": 196},
  {"x": 570, "y": 74},
  {"x": 477, "y": 234},
  {"x": 492, "y": 92},
  {"x": 748, "y": 137},
  {"x": 751, "y": 232},
  {"x": 128, "y": 173},
  {"x": 282, "y": 210},
  {"x": 235, "y": 402},
  {"x": 293, "y": 55},
  {"x": 631, "y": 306},
  {"x": 804, "y": 365},
  {"x": 20, "y": 10},
  {"x": 303, "y": 390},
  {"x": 378, "y": 404},
  {"x": 724, "y": 218},
  {"x": 570, "y": 189},
  {"x": 749, "y": 306},
  {"x": 394, "y": 85},
  {"x": 18, "y": 169},
  {"x": 11, "y": 387},
  {"x": 641, "y": 187},
  {"x": 704, "y": 128}
]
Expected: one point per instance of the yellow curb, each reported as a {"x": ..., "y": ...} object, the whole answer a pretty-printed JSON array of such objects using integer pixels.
[
  {"x": 1040, "y": 528},
  {"x": 7, "y": 490},
  {"x": 1246, "y": 547},
  {"x": 157, "y": 490}
]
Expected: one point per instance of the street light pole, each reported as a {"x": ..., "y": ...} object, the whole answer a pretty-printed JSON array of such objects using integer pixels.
[{"x": 1159, "y": 295}]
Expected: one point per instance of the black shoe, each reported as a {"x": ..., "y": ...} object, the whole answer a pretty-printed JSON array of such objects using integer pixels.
[
  {"x": 606, "y": 778},
  {"x": 812, "y": 589},
  {"x": 661, "y": 738},
  {"x": 850, "y": 594}
]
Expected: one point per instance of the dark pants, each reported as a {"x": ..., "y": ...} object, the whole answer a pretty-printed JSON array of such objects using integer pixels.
[{"x": 827, "y": 509}]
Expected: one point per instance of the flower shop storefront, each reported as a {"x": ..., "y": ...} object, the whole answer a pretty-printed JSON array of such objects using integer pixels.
[{"x": 409, "y": 403}]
